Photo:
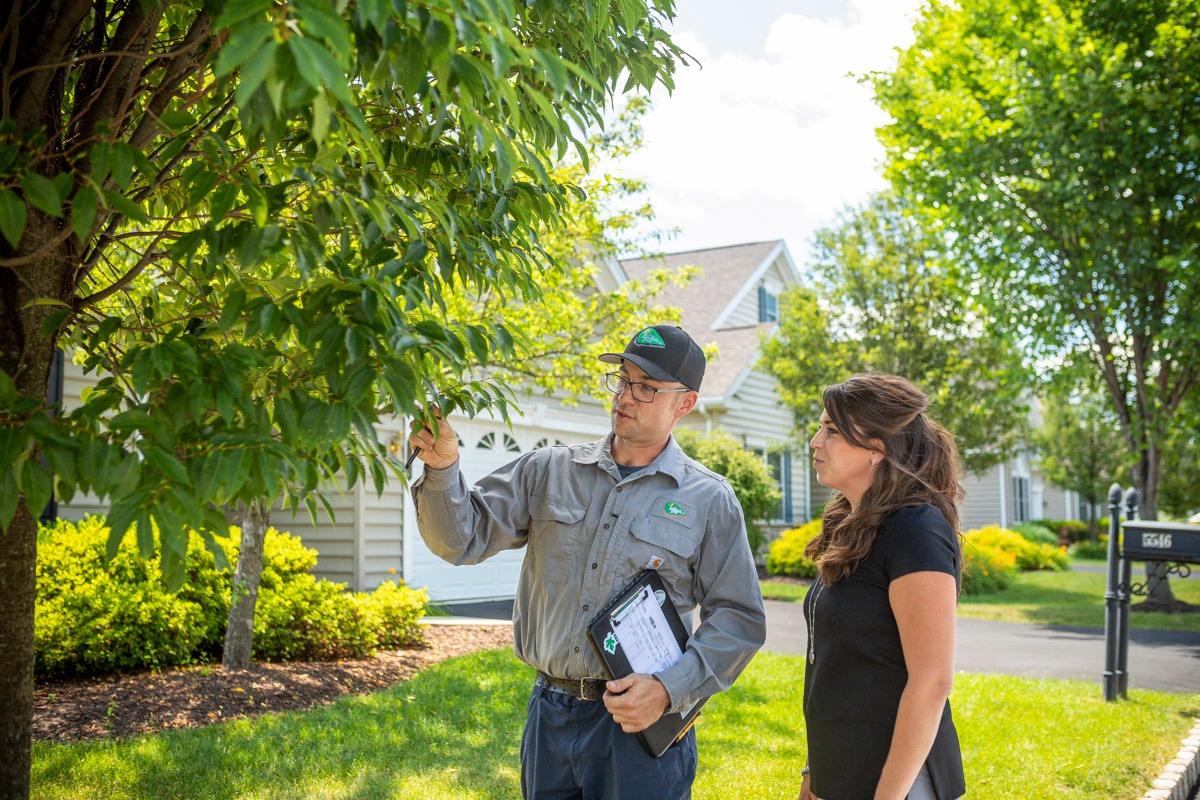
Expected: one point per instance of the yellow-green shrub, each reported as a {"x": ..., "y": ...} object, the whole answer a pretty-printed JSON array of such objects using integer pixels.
[
  {"x": 986, "y": 569},
  {"x": 394, "y": 612},
  {"x": 96, "y": 617},
  {"x": 1029, "y": 556},
  {"x": 786, "y": 554}
]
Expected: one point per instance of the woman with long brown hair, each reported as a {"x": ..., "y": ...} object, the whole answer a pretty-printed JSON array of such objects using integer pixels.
[{"x": 881, "y": 614}]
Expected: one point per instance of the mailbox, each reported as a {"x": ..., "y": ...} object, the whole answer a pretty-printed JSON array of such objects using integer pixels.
[
  {"x": 1172, "y": 543},
  {"x": 1161, "y": 541}
]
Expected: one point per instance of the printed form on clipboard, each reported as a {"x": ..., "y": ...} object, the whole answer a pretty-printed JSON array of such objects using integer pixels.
[{"x": 640, "y": 631}]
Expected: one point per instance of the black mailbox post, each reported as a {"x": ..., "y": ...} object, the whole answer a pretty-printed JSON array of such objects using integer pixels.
[{"x": 1171, "y": 542}]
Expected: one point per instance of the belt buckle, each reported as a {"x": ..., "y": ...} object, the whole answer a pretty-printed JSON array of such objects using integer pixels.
[{"x": 594, "y": 693}]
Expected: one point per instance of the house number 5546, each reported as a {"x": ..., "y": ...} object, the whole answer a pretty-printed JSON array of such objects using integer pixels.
[{"x": 1160, "y": 541}]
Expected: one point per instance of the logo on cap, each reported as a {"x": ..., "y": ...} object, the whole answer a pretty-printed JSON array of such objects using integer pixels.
[{"x": 650, "y": 338}]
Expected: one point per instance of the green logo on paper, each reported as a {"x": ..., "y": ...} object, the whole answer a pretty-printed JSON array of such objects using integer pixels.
[
  {"x": 610, "y": 643},
  {"x": 674, "y": 509},
  {"x": 650, "y": 338}
]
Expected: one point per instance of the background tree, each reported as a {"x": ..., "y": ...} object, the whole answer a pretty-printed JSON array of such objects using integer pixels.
[
  {"x": 749, "y": 476},
  {"x": 296, "y": 175},
  {"x": 1077, "y": 444},
  {"x": 1057, "y": 140},
  {"x": 1180, "y": 493},
  {"x": 886, "y": 297}
]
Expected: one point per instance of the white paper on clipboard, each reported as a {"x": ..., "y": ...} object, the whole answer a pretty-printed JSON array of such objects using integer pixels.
[{"x": 644, "y": 633}]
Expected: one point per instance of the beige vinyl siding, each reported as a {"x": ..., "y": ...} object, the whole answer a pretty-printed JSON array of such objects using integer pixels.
[
  {"x": 74, "y": 382},
  {"x": 985, "y": 499},
  {"x": 746, "y": 311}
]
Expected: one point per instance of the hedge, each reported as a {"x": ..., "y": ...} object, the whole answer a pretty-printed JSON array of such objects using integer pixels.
[{"x": 95, "y": 616}]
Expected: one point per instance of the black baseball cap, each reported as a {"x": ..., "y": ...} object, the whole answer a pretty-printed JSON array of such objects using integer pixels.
[{"x": 666, "y": 353}]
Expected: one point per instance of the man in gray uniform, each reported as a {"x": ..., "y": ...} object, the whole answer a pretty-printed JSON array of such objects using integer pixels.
[{"x": 591, "y": 517}]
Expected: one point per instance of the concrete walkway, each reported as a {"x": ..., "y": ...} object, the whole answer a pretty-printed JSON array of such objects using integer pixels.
[{"x": 1161, "y": 660}]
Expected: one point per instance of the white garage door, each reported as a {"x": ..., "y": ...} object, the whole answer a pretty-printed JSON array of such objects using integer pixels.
[{"x": 484, "y": 447}]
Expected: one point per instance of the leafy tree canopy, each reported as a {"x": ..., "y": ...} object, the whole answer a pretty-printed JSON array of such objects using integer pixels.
[
  {"x": 225, "y": 203},
  {"x": 886, "y": 297},
  {"x": 1057, "y": 139}
]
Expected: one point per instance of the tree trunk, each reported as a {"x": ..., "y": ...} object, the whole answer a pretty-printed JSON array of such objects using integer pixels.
[
  {"x": 1159, "y": 596},
  {"x": 239, "y": 632},
  {"x": 18, "y": 558},
  {"x": 25, "y": 356}
]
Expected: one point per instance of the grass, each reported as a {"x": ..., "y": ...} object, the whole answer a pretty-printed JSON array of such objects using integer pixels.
[
  {"x": 1047, "y": 598},
  {"x": 454, "y": 731}
]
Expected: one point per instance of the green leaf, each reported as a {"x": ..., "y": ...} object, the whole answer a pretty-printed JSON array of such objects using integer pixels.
[
  {"x": 8, "y": 390},
  {"x": 165, "y": 463},
  {"x": 12, "y": 216},
  {"x": 42, "y": 193},
  {"x": 125, "y": 206},
  {"x": 9, "y": 493},
  {"x": 35, "y": 482},
  {"x": 83, "y": 211},
  {"x": 175, "y": 121},
  {"x": 242, "y": 44},
  {"x": 318, "y": 67}
]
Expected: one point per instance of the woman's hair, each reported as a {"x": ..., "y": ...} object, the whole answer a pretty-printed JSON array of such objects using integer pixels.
[{"x": 920, "y": 465}]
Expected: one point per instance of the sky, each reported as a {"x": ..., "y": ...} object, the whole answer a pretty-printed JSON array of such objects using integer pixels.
[{"x": 771, "y": 135}]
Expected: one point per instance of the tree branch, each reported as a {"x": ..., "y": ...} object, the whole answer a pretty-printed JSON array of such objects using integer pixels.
[{"x": 56, "y": 29}]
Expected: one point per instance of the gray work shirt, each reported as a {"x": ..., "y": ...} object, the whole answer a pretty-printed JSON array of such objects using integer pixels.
[{"x": 587, "y": 533}]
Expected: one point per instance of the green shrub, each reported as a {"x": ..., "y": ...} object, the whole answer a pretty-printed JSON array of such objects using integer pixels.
[
  {"x": 96, "y": 617},
  {"x": 1029, "y": 556},
  {"x": 986, "y": 569},
  {"x": 748, "y": 474},
  {"x": 394, "y": 612},
  {"x": 1088, "y": 550},
  {"x": 1038, "y": 534},
  {"x": 786, "y": 554},
  {"x": 308, "y": 619}
]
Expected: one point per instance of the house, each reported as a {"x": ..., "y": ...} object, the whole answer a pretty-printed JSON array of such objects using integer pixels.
[{"x": 732, "y": 303}]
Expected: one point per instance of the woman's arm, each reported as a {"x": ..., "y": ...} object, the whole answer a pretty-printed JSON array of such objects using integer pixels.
[{"x": 924, "y": 604}]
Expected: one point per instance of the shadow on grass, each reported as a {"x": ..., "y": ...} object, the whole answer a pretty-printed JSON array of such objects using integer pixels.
[{"x": 459, "y": 737}]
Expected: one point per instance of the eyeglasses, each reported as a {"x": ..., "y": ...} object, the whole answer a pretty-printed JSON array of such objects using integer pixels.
[{"x": 641, "y": 392}]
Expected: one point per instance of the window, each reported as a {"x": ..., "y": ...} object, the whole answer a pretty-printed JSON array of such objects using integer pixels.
[
  {"x": 545, "y": 442},
  {"x": 768, "y": 306},
  {"x": 1020, "y": 498},
  {"x": 781, "y": 468},
  {"x": 488, "y": 442}
]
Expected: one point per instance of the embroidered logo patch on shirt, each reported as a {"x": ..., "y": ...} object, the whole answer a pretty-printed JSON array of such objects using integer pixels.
[
  {"x": 674, "y": 509},
  {"x": 610, "y": 643},
  {"x": 650, "y": 338},
  {"x": 654, "y": 563}
]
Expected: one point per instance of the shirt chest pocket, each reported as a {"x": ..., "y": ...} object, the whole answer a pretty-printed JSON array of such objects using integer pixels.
[
  {"x": 556, "y": 537},
  {"x": 666, "y": 547}
]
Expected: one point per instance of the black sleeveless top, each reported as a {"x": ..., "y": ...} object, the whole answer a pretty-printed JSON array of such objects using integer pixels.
[{"x": 852, "y": 688}]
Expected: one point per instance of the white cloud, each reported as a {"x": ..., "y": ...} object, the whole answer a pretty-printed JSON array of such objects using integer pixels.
[{"x": 771, "y": 144}]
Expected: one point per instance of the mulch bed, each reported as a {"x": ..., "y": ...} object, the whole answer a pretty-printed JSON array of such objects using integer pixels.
[{"x": 133, "y": 704}]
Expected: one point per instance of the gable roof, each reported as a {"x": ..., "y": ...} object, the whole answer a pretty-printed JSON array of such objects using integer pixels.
[
  {"x": 724, "y": 271},
  {"x": 726, "y": 275}
]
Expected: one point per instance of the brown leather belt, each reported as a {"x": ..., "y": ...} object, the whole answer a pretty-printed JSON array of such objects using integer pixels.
[{"x": 581, "y": 688}]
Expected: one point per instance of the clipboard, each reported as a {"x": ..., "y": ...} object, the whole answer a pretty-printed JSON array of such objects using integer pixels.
[{"x": 640, "y": 631}]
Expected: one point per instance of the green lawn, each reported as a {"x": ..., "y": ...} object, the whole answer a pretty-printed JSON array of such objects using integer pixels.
[
  {"x": 1048, "y": 598},
  {"x": 453, "y": 732}
]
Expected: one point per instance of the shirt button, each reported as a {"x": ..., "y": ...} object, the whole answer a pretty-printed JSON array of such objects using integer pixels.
[
  {"x": 576, "y": 649},
  {"x": 585, "y": 608},
  {"x": 620, "y": 489},
  {"x": 593, "y": 565},
  {"x": 606, "y": 526}
]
